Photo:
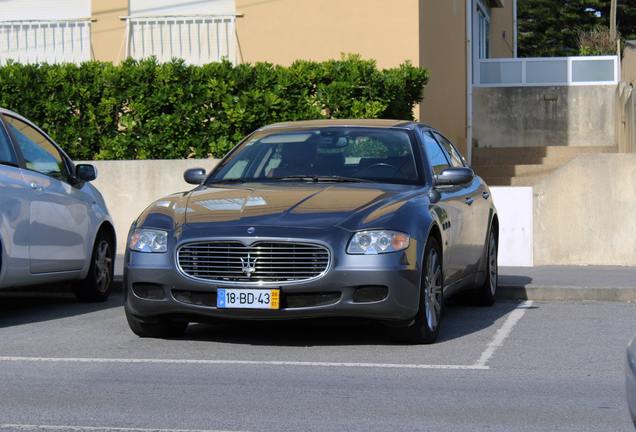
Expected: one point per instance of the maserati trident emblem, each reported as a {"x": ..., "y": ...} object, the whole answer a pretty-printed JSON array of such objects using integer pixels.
[{"x": 249, "y": 266}]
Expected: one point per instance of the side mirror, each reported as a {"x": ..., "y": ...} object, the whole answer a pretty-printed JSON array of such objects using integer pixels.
[
  {"x": 454, "y": 176},
  {"x": 86, "y": 172},
  {"x": 194, "y": 176}
]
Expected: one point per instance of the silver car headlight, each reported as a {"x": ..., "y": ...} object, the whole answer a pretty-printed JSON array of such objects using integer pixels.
[
  {"x": 377, "y": 242},
  {"x": 148, "y": 240}
]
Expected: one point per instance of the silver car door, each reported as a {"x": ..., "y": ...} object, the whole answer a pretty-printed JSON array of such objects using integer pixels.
[
  {"x": 14, "y": 215},
  {"x": 59, "y": 220}
]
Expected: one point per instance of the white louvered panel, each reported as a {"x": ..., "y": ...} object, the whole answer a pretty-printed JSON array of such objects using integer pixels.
[
  {"x": 45, "y": 41},
  {"x": 182, "y": 7},
  {"x": 48, "y": 10},
  {"x": 197, "y": 40}
]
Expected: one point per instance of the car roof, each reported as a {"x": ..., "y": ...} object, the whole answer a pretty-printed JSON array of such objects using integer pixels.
[{"x": 342, "y": 122}]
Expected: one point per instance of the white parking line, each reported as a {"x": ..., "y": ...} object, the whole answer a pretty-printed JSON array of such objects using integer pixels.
[
  {"x": 496, "y": 342},
  {"x": 503, "y": 332},
  {"x": 240, "y": 362},
  {"x": 26, "y": 427}
]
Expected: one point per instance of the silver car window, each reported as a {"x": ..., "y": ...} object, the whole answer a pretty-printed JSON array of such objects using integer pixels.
[
  {"x": 39, "y": 153},
  {"x": 7, "y": 155}
]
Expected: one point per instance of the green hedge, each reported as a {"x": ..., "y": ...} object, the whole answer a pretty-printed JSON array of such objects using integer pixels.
[{"x": 146, "y": 110}]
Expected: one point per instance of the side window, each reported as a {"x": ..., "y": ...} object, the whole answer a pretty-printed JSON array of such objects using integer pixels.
[
  {"x": 7, "y": 155},
  {"x": 39, "y": 153},
  {"x": 436, "y": 154},
  {"x": 455, "y": 158}
]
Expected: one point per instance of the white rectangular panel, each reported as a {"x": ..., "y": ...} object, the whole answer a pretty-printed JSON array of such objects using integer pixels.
[
  {"x": 181, "y": 7},
  {"x": 13, "y": 10}
]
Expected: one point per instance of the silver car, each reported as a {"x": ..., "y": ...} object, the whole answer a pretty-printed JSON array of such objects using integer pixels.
[
  {"x": 370, "y": 219},
  {"x": 630, "y": 378},
  {"x": 54, "y": 224}
]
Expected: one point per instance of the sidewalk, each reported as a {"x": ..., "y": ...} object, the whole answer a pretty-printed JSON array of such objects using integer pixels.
[{"x": 593, "y": 283}]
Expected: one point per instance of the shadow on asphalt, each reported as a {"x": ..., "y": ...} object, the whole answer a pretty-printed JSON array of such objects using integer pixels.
[
  {"x": 34, "y": 305},
  {"x": 458, "y": 321},
  {"x": 39, "y": 304}
]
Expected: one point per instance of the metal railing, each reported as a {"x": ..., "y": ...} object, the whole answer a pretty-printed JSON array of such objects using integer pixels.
[
  {"x": 196, "y": 39},
  {"x": 58, "y": 41},
  {"x": 547, "y": 71}
]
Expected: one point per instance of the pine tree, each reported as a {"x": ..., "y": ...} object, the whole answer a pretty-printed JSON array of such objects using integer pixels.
[{"x": 548, "y": 28}]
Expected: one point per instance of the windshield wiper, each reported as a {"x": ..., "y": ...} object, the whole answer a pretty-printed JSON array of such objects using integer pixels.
[
  {"x": 234, "y": 180},
  {"x": 317, "y": 178}
]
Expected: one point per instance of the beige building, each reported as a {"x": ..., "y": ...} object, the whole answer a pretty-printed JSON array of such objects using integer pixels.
[{"x": 444, "y": 36}]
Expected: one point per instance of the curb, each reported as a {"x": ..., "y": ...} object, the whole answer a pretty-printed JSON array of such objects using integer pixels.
[{"x": 565, "y": 293}]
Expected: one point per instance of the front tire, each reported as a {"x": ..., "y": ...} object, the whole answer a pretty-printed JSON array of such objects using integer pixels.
[
  {"x": 162, "y": 329},
  {"x": 97, "y": 285},
  {"x": 425, "y": 326}
]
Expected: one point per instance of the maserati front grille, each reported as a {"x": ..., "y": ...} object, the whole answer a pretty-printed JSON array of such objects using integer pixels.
[{"x": 259, "y": 262}]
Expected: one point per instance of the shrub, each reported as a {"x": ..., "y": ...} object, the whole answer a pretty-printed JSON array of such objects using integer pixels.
[{"x": 147, "y": 110}]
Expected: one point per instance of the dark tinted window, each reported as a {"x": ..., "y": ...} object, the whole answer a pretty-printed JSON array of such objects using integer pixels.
[
  {"x": 374, "y": 154},
  {"x": 438, "y": 157},
  {"x": 455, "y": 158}
]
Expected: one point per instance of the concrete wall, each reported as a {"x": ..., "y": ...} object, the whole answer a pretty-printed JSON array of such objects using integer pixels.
[
  {"x": 544, "y": 116},
  {"x": 130, "y": 186},
  {"x": 584, "y": 213}
]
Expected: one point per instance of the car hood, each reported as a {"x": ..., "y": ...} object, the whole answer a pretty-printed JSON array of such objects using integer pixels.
[{"x": 296, "y": 205}]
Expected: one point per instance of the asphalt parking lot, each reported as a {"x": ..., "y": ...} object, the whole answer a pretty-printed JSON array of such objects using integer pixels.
[{"x": 519, "y": 365}]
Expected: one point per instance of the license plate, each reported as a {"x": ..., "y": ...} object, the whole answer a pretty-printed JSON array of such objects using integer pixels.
[{"x": 248, "y": 298}]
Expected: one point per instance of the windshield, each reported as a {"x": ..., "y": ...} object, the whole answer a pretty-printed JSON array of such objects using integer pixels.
[{"x": 324, "y": 154}]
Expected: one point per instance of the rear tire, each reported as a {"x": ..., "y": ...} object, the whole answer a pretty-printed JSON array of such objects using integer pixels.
[
  {"x": 425, "y": 326},
  {"x": 486, "y": 293},
  {"x": 97, "y": 285},
  {"x": 162, "y": 329}
]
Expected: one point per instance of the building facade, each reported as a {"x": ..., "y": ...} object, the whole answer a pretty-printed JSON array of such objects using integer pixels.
[{"x": 447, "y": 37}]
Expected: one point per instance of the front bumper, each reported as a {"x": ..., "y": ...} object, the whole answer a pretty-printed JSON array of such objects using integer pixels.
[{"x": 382, "y": 287}]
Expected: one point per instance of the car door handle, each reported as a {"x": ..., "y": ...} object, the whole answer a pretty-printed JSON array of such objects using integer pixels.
[
  {"x": 36, "y": 187},
  {"x": 469, "y": 200},
  {"x": 485, "y": 195}
]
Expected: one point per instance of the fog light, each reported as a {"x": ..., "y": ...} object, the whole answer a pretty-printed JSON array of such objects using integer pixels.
[
  {"x": 370, "y": 294},
  {"x": 148, "y": 291}
]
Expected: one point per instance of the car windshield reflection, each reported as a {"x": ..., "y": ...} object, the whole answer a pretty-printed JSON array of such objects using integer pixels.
[{"x": 328, "y": 154}]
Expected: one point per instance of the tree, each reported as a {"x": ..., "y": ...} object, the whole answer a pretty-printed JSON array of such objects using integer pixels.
[{"x": 549, "y": 28}]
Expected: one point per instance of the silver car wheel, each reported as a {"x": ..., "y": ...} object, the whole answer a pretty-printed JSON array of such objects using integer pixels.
[
  {"x": 103, "y": 266},
  {"x": 492, "y": 263},
  {"x": 433, "y": 290}
]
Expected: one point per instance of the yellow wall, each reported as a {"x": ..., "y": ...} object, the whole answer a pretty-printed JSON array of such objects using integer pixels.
[
  {"x": 429, "y": 33},
  {"x": 281, "y": 31},
  {"x": 108, "y": 31},
  {"x": 443, "y": 52},
  {"x": 502, "y": 20}
]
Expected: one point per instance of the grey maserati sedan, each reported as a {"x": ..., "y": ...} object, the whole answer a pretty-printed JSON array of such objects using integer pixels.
[
  {"x": 54, "y": 225},
  {"x": 373, "y": 219}
]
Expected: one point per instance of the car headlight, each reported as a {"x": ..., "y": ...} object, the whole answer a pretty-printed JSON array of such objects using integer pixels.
[
  {"x": 377, "y": 242},
  {"x": 148, "y": 240}
]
